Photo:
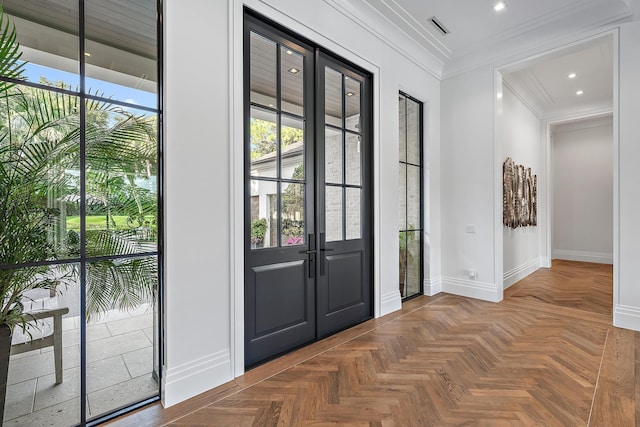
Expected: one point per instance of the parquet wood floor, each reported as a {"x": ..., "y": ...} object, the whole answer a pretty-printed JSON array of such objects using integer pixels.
[{"x": 440, "y": 361}]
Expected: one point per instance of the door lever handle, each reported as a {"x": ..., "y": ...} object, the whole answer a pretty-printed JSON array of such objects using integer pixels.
[
  {"x": 326, "y": 250},
  {"x": 311, "y": 251}
]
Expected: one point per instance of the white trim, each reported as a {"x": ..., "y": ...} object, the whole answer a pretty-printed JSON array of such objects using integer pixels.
[
  {"x": 390, "y": 302},
  {"x": 190, "y": 379},
  {"x": 432, "y": 287},
  {"x": 520, "y": 272},
  {"x": 584, "y": 256},
  {"x": 471, "y": 288},
  {"x": 626, "y": 317},
  {"x": 545, "y": 262}
]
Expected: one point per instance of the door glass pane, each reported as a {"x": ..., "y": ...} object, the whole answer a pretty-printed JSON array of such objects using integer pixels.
[
  {"x": 333, "y": 97},
  {"x": 264, "y": 214},
  {"x": 263, "y": 70},
  {"x": 354, "y": 213},
  {"x": 352, "y": 98},
  {"x": 413, "y": 197},
  {"x": 37, "y": 391},
  {"x": 333, "y": 213},
  {"x": 402, "y": 194},
  {"x": 120, "y": 340},
  {"x": 413, "y": 263},
  {"x": 333, "y": 155},
  {"x": 48, "y": 38},
  {"x": 402, "y": 128},
  {"x": 292, "y": 75},
  {"x": 263, "y": 143},
  {"x": 121, "y": 51},
  {"x": 292, "y": 214},
  {"x": 353, "y": 159},
  {"x": 292, "y": 148},
  {"x": 121, "y": 173},
  {"x": 413, "y": 132}
]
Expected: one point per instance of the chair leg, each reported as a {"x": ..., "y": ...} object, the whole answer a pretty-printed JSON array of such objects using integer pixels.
[{"x": 57, "y": 346}]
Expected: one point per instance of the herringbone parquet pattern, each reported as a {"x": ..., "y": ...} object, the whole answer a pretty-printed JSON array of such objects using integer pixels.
[
  {"x": 453, "y": 362},
  {"x": 536, "y": 359}
]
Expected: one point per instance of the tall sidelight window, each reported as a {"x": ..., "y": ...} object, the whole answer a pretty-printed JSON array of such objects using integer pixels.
[
  {"x": 411, "y": 203},
  {"x": 80, "y": 227}
]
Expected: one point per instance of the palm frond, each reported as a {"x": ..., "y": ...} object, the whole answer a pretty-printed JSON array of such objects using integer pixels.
[{"x": 10, "y": 64}]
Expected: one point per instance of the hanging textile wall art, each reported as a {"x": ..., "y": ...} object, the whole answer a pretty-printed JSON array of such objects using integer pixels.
[{"x": 519, "y": 196}]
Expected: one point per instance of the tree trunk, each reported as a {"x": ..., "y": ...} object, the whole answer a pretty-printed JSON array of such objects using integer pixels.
[{"x": 5, "y": 352}]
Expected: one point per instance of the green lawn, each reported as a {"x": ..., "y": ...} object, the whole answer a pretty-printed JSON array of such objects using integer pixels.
[{"x": 99, "y": 222}]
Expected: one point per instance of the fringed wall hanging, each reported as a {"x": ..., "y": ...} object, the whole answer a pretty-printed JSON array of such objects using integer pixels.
[{"x": 519, "y": 206}]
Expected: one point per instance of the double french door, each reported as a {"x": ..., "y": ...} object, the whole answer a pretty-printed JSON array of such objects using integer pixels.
[{"x": 308, "y": 225}]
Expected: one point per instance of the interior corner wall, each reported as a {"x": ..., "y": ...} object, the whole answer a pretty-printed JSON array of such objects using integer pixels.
[
  {"x": 627, "y": 298},
  {"x": 203, "y": 133},
  {"x": 582, "y": 170},
  {"x": 521, "y": 139},
  {"x": 468, "y": 184}
]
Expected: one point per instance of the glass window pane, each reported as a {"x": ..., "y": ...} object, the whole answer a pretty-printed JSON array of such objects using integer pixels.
[
  {"x": 413, "y": 132},
  {"x": 292, "y": 148},
  {"x": 354, "y": 213},
  {"x": 39, "y": 175},
  {"x": 333, "y": 213},
  {"x": 293, "y": 214},
  {"x": 264, "y": 214},
  {"x": 292, "y": 81},
  {"x": 36, "y": 389},
  {"x": 333, "y": 97},
  {"x": 121, "y": 295},
  {"x": 402, "y": 128},
  {"x": 121, "y": 173},
  {"x": 263, "y": 143},
  {"x": 353, "y": 159},
  {"x": 413, "y": 197},
  {"x": 121, "y": 50},
  {"x": 402, "y": 194},
  {"x": 333, "y": 155},
  {"x": 403, "y": 263},
  {"x": 353, "y": 92},
  {"x": 413, "y": 263},
  {"x": 48, "y": 37},
  {"x": 263, "y": 70}
]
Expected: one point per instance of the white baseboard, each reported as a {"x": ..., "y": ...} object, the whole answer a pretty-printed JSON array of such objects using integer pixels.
[
  {"x": 471, "y": 288},
  {"x": 598, "y": 257},
  {"x": 190, "y": 379},
  {"x": 432, "y": 287},
  {"x": 626, "y": 317},
  {"x": 545, "y": 262},
  {"x": 390, "y": 302},
  {"x": 520, "y": 272}
]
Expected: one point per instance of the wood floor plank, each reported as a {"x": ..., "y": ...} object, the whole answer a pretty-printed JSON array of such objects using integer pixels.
[{"x": 533, "y": 359}]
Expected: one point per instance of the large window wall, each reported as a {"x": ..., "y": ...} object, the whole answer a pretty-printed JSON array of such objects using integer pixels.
[{"x": 80, "y": 172}]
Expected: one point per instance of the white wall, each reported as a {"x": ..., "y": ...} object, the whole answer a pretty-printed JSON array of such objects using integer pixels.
[
  {"x": 467, "y": 113},
  {"x": 582, "y": 183},
  {"x": 203, "y": 172},
  {"x": 521, "y": 140},
  {"x": 627, "y": 297}
]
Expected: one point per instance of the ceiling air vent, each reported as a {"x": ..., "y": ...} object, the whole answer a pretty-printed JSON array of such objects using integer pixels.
[{"x": 434, "y": 21}]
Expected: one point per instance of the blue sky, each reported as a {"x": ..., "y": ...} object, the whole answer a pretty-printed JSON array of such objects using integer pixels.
[{"x": 114, "y": 91}]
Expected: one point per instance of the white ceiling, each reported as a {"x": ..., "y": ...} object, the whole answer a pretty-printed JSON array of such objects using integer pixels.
[{"x": 481, "y": 36}]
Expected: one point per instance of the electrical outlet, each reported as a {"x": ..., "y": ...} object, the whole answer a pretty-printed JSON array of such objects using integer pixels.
[{"x": 472, "y": 274}]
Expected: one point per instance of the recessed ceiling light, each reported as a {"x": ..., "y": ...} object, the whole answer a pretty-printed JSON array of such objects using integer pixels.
[
  {"x": 293, "y": 70},
  {"x": 499, "y": 6},
  {"x": 270, "y": 105},
  {"x": 87, "y": 54},
  {"x": 289, "y": 52},
  {"x": 572, "y": 75},
  {"x": 579, "y": 92},
  {"x": 349, "y": 94}
]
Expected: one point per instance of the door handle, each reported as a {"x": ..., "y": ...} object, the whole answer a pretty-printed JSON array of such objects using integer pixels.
[
  {"x": 323, "y": 249},
  {"x": 312, "y": 255},
  {"x": 311, "y": 251},
  {"x": 326, "y": 250}
]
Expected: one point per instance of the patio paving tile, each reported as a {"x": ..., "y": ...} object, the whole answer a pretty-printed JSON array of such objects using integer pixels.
[
  {"x": 122, "y": 394},
  {"x": 48, "y": 393},
  {"x": 119, "y": 327},
  {"x": 62, "y": 415},
  {"x": 109, "y": 347},
  {"x": 139, "y": 362},
  {"x": 19, "y": 399},
  {"x": 105, "y": 373}
]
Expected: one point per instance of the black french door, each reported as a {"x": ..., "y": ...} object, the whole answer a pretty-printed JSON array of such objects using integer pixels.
[{"x": 308, "y": 225}]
